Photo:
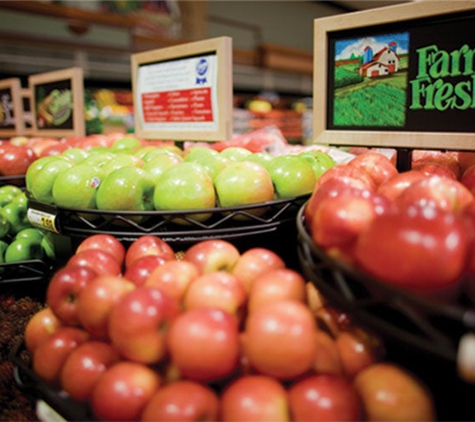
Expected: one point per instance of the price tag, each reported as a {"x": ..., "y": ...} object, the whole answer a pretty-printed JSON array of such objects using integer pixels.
[{"x": 43, "y": 220}]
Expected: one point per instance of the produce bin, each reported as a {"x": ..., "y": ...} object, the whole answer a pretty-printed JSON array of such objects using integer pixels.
[{"x": 420, "y": 333}]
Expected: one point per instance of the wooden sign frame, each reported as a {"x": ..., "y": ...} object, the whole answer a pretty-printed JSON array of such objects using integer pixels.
[
  {"x": 218, "y": 91},
  {"x": 27, "y": 113},
  {"x": 328, "y": 31},
  {"x": 17, "y": 126},
  {"x": 69, "y": 82}
]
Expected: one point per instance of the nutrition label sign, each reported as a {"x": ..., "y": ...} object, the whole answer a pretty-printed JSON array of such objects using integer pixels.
[
  {"x": 178, "y": 92},
  {"x": 184, "y": 93}
]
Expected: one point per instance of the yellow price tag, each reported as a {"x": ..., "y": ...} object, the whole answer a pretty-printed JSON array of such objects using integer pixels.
[{"x": 42, "y": 220}]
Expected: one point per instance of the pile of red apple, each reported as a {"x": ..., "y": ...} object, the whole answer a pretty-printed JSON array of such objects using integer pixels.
[
  {"x": 210, "y": 333},
  {"x": 412, "y": 229}
]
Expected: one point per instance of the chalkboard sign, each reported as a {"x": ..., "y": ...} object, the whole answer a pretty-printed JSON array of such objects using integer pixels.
[
  {"x": 57, "y": 103},
  {"x": 398, "y": 76},
  {"x": 184, "y": 92},
  {"x": 11, "y": 109}
]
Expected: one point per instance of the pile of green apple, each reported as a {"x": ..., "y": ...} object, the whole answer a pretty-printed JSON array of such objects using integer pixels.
[
  {"x": 19, "y": 240},
  {"x": 131, "y": 176},
  {"x": 215, "y": 334}
]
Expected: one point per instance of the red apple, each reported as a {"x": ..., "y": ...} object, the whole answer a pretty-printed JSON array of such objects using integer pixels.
[
  {"x": 434, "y": 169},
  {"x": 84, "y": 366},
  {"x": 256, "y": 261},
  {"x": 279, "y": 339},
  {"x": 139, "y": 271},
  {"x": 139, "y": 322},
  {"x": 468, "y": 178},
  {"x": 105, "y": 242},
  {"x": 218, "y": 288},
  {"x": 64, "y": 289},
  {"x": 254, "y": 398},
  {"x": 422, "y": 249},
  {"x": 389, "y": 392},
  {"x": 38, "y": 144},
  {"x": 357, "y": 351},
  {"x": 448, "y": 160},
  {"x": 377, "y": 165},
  {"x": 344, "y": 172},
  {"x": 339, "y": 220},
  {"x": 204, "y": 344},
  {"x": 182, "y": 401},
  {"x": 393, "y": 187},
  {"x": 324, "y": 397},
  {"x": 96, "y": 301},
  {"x": 173, "y": 278},
  {"x": 123, "y": 391},
  {"x": 55, "y": 149},
  {"x": 14, "y": 159},
  {"x": 39, "y": 327},
  {"x": 148, "y": 245},
  {"x": 442, "y": 192},
  {"x": 327, "y": 359},
  {"x": 100, "y": 261},
  {"x": 331, "y": 187},
  {"x": 51, "y": 354},
  {"x": 274, "y": 285},
  {"x": 212, "y": 255}
]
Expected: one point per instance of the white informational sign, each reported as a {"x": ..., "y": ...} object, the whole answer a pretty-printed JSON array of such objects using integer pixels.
[
  {"x": 178, "y": 94},
  {"x": 184, "y": 92}
]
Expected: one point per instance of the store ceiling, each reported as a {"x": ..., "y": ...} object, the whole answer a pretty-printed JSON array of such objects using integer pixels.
[{"x": 357, "y": 5}]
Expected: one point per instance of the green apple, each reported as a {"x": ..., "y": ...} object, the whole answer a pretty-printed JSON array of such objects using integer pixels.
[
  {"x": 197, "y": 151},
  {"x": 99, "y": 158},
  {"x": 144, "y": 150},
  {"x": 185, "y": 186},
  {"x": 210, "y": 159},
  {"x": 235, "y": 153},
  {"x": 31, "y": 233},
  {"x": 149, "y": 156},
  {"x": 126, "y": 189},
  {"x": 4, "y": 224},
  {"x": 83, "y": 180},
  {"x": 160, "y": 163},
  {"x": 8, "y": 193},
  {"x": 292, "y": 176},
  {"x": 76, "y": 154},
  {"x": 41, "y": 185},
  {"x": 48, "y": 246},
  {"x": 263, "y": 158},
  {"x": 16, "y": 214},
  {"x": 127, "y": 143},
  {"x": 320, "y": 161},
  {"x": 35, "y": 167},
  {"x": 244, "y": 183},
  {"x": 3, "y": 248},
  {"x": 122, "y": 160},
  {"x": 23, "y": 250}
]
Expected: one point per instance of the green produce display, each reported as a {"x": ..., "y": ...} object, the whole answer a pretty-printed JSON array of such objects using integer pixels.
[
  {"x": 19, "y": 240},
  {"x": 128, "y": 177}
]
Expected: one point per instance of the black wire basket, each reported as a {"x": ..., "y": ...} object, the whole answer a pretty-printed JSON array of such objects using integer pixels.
[
  {"x": 428, "y": 325},
  {"x": 18, "y": 180},
  {"x": 175, "y": 227}
]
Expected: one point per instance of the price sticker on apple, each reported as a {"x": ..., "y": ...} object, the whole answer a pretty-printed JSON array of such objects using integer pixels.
[
  {"x": 42, "y": 219},
  {"x": 184, "y": 92}
]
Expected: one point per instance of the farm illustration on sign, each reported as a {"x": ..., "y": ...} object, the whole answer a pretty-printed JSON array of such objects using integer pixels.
[{"x": 370, "y": 81}]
